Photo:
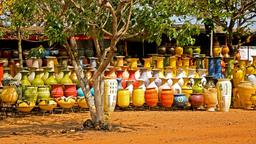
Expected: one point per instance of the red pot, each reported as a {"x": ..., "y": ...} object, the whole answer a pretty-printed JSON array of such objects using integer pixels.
[
  {"x": 167, "y": 97},
  {"x": 57, "y": 90},
  {"x": 196, "y": 100},
  {"x": 151, "y": 97},
  {"x": 70, "y": 90},
  {"x": 1, "y": 72}
]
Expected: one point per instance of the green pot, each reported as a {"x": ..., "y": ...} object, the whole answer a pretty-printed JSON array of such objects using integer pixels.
[
  {"x": 31, "y": 94},
  {"x": 51, "y": 79},
  {"x": 66, "y": 79},
  {"x": 43, "y": 93},
  {"x": 197, "y": 87},
  {"x": 38, "y": 81}
]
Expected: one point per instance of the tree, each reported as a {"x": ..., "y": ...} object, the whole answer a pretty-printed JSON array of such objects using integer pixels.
[
  {"x": 234, "y": 16},
  {"x": 117, "y": 19}
]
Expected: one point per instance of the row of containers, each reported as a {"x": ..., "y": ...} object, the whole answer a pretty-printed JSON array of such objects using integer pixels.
[{"x": 182, "y": 83}]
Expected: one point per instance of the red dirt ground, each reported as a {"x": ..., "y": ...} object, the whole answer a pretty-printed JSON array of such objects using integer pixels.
[{"x": 151, "y": 127}]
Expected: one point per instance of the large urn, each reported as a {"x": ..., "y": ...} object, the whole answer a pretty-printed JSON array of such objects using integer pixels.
[{"x": 224, "y": 91}]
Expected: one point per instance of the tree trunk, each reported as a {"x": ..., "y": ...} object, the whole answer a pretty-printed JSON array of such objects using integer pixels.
[
  {"x": 83, "y": 82},
  {"x": 99, "y": 99},
  {"x": 230, "y": 43},
  {"x": 20, "y": 47}
]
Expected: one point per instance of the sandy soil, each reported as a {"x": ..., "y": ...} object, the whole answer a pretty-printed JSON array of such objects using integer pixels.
[{"x": 151, "y": 127}]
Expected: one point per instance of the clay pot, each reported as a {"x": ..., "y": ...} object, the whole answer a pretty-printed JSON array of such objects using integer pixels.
[
  {"x": 166, "y": 97},
  {"x": 123, "y": 98},
  {"x": 57, "y": 91},
  {"x": 70, "y": 90},
  {"x": 224, "y": 91},
  {"x": 196, "y": 100},
  {"x": 151, "y": 97},
  {"x": 138, "y": 98},
  {"x": 43, "y": 93},
  {"x": 180, "y": 100}
]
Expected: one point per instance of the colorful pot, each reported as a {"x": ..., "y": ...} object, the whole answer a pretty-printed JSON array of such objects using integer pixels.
[
  {"x": 211, "y": 67},
  {"x": 133, "y": 62},
  {"x": 9, "y": 95},
  {"x": 160, "y": 62},
  {"x": 175, "y": 86},
  {"x": 179, "y": 51},
  {"x": 138, "y": 98},
  {"x": 43, "y": 93},
  {"x": 224, "y": 91},
  {"x": 196, "y": 100},
  {"x": 1, "y": 72},
  {"x": 173, "y": 61},
  {"x": 166, "y": 97},
  {"x": 180, "y": 100},
  {"x": 70, "y": 90},
  {"x": 38, "y": 81},
  {"x": 245, "y": 91},
  {"x": 66, "y": 79},
  {"x": 123, "y": 98},
  {"x": 147, "y": 62},
  {"x": 197, "y": 87},
  {"x": 186, "y": 87},
  {"x": 119, "y": 61},
  {"x": 110, "y": 94},
  {"x": 57, "y": 90},
  {"x": 151, "y": 97},
  {"x": 51, "y": 79},
  {"x": 30, "y": 93}
]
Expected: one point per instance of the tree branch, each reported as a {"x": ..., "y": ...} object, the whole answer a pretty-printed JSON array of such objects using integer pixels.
[
  {"x": 77, "y": 5},
  {"x": 127, "y": 23}
]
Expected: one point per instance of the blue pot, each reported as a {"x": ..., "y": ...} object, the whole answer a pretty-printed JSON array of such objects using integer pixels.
[
  {"x": 47, "y": 52},
  {"x": 180, "y": 100},
  {"x": 80, "y": 92},
  {"x": 211, "y": 66},
  {"x": 92, "y": 91}
]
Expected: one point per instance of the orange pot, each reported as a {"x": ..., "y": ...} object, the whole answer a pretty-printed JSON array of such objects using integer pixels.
[
  {"x": 151, "y": 97},
  {"x": 167, "y": 97}
]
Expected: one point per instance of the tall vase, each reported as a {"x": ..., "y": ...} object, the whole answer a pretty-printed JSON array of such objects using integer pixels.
[
  {"x": 210, "y": 94},
  {"x": 158, "y": 81},
  {"x": 224, "y": 91},
  {"x": 38, "y": 81},
  {"x": 24, "y": 80},
  {"x": 110, "y": 94},
  {"x": 144, "y": 76},
  {"x": 147, "y": 62},
  {"x": 218, "y": 68},
  {"x": 211, "y": 66}
]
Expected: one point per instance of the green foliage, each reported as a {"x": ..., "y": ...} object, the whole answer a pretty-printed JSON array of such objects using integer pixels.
[{"x": 37, "y": 52}]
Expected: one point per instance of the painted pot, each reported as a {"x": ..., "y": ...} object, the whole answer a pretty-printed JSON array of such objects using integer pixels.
[
  {"x": 57, "y": 91},
  {"x": 151, "y": 97},
  {"x": 110, "y": 94},
  {"x": 9, "y": 95},
  {"x": 218, "y": 68},
  {"x": 80, "y": 92},
  {"x": 245, "y": 91},
  {"x": 66, "y": 79},
  {"x": 180, "y": 100},
  {"x": 43, "y": 93},
  {"x": 166, "y": 97},
  {"x": 211, "y": 67},
  {"x": 123, "y": 98},
  {"x": 224, "y": 91},
  {"x": 147, "y": 62},
  {"x": 186, "y": 88},
  {"x": 120, "y": 61},
  {"x": 30, "y": 93},
  {"x": 196, "y": 100},
  {"x": 138, "y": 97},
  {"x": 38, "y": 81},
  {"x": 197, "y": 87},
  {"x": 70, "y": 90}
]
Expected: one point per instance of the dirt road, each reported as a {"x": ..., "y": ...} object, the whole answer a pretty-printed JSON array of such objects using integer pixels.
[{"x": 148, "y": 127}]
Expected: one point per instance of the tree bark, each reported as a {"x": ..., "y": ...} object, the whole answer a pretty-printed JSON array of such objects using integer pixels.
[
  {"x": 83, "y": 82},
  {"x": 20, "y": 47}
]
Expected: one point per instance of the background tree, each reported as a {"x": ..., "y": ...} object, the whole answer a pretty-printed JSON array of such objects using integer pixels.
[
  {"x": 117, "y": 19},
  {"x": 234, "y": 16}
]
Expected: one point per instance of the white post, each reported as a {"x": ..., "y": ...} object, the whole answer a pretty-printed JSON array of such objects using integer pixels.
[{"x": 211, "y": 46}]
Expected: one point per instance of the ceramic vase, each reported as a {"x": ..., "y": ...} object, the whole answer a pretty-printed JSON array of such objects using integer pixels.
[
  {"x": 224, "y": 91},
  {"x": 210, "y": 94},
  {"x": 211, "y": 66},
  {"x": 175, "y": 86},
  {"x": 158, "y": 81}
]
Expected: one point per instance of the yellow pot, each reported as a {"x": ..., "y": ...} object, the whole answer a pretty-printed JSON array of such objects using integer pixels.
[
  {"x": 123, "y": 98},
  {"x": 138, "y": 98},
  {"x": 147, "y": 62},
  {"x": 133, "y": 62},
  {"x": 179, "y": 51},
  {"x": 173, "y": 61},
  {"x": 245, "y": 91},
  {"x": 216, "y": 51},
  {"x": 160, "y": 62},
  {"x": 185, "y": 62}
]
